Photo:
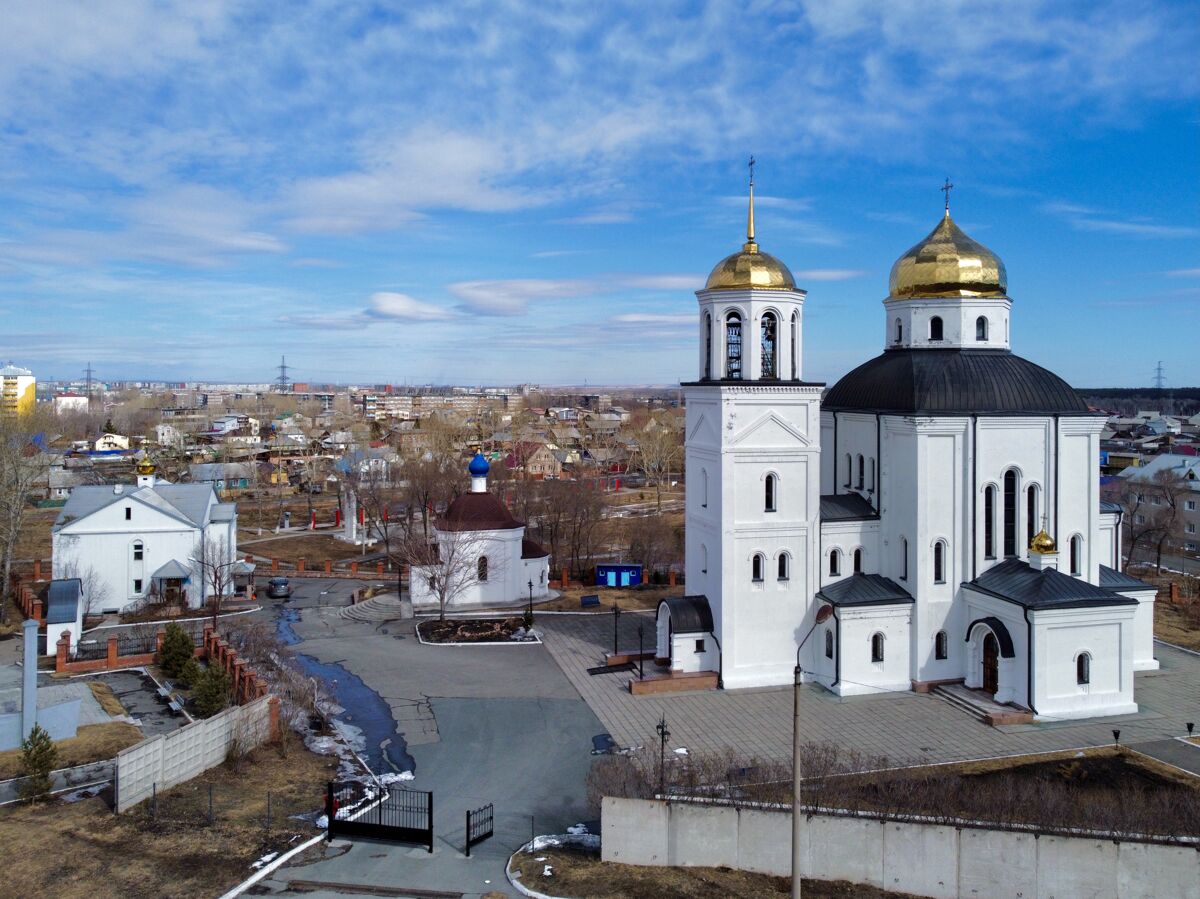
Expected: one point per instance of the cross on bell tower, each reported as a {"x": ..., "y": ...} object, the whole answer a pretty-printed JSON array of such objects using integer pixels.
[{"x": 946, "y": 188}]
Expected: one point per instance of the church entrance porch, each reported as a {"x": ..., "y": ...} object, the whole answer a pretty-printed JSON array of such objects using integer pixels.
[
  {"x": 993, "y": 668},
  {"x": 981, "y": 706},
  {"x": 991, "y": 664}
]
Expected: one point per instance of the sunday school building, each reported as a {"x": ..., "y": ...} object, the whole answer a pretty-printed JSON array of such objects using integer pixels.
[{"x": 934, "y": 520}]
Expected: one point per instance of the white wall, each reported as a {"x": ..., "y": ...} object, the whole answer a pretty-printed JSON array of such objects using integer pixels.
[
  {"x": 921, "y": 859},
  {"x": 1106, "y": 633},
  {"x": 858, "y": 675}
]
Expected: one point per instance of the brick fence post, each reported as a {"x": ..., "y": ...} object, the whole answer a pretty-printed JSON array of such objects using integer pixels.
[
  {"x": 113, "y": 651},
  {"x": 300, "y": 564},
  {"x": 63, "y": 647},
  {"x": 671, "y": 578},
  {"x": 239, "y": 673},
  {"x": 353, "y": 569},
  {"x": 329, "y": 566},
  {"x": 208, "y": 630},
  {"x": 1174, "y": 593},
  {"x": 566, "y": 579},
  {"x": 37, "y": 611},
  {"x": 159, "y": 637},
  {"x": 274, "y": 564},
  {"x": 379, "y": 569}
]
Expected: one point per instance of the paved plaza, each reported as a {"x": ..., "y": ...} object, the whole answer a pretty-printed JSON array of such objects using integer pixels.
[{"x": 905, "y": 727}]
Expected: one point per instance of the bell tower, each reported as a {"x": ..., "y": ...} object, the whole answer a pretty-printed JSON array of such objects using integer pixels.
[{"x": 753, "y": 463}]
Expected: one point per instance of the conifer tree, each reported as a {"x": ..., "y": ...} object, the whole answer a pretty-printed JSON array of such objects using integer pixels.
[{"x": 38, "y": 758}]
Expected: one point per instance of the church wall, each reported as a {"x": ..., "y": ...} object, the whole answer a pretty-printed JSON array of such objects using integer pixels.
[
  {"x": 508, "y": 573},
  {"x": 827, "y": 457},
  {"x": 1143, "y": 629},
  {"x": 1079, "y": 485},
  {"x": 858, "y": 675},
  {"x": 1023, "y": 444},
  {"x": 845, "y": 537},
  {"x": 1107, "y": 634},
  {"x": 959, "y": 316},
  {"x": 1109, "y": 548},
  {"x": 856, "y": 436},
  {"x": 703, "y": 493},
  {"x": 898, "y": 500}
]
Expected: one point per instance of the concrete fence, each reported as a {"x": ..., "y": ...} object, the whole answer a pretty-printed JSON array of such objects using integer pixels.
[
  {"x": 162, "y": 762},
  {"x": 922, "y": 859}
]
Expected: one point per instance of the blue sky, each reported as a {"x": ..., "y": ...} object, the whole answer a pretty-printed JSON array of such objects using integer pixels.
[{"x": 501, "y": 191}]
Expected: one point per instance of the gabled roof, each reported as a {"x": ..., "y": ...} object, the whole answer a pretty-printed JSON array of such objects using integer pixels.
[
  {"x": 1016, "y": 582},
  {"x": 1119, "y": 581},
  {"x": 845, "y": 507},
  {"x": 186, "y": 502},
  {"x": 172, "y": 569},
  {"x": 864, "y": 590}
]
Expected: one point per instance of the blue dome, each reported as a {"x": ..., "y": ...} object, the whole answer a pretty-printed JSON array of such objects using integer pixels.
[{"x": 479, "y": 466}]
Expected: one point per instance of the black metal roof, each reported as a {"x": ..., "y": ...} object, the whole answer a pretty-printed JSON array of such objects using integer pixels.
[
  {"x": 1016, "y": 582},
  {"x": 62, "y": 601},
  {"x": 962, "y": 382},
  {"x": 1003, "y": 637},
  {"x": 1111, "y": 579},
  {"x": 864, "y": 590},
  {"x": 845, "y": 507},
  {"x": 1110, "y": 507},
  {"x": 689, "y": 614}
]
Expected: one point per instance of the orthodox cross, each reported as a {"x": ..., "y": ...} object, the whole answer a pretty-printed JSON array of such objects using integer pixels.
[
  {"x": 751, "y": 171},
  {"x": 946, "y": 188}
]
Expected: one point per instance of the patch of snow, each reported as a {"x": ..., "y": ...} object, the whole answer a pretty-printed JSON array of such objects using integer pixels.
[
  {"x": 540, "y": 843},
  {"x": 266, "y": 859},
  {"x": 577, "y": 830},
  {"x": 540, "y": 858},
  {"x": 682, "y": 750},
  {"x": 395, "y": 777},
  {"x": 323, "y": 822},
  {"x": 548, "y": 871}
]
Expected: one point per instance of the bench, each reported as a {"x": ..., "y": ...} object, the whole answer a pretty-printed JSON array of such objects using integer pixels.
[
  {"x": 176, "y": 706},
  {"x": 164, "y": 692},
  {"x": 592, "y": 600}
]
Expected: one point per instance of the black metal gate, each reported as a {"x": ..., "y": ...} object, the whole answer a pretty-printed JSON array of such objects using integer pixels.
[
  {"x": 479, "y": 826},
  {"x": 404, "y": 816}
]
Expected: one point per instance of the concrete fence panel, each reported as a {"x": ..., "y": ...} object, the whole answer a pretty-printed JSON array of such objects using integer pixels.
[
  {"x": 920, "y": 860},
  {"x": 1069, "y": 866},
  {"x": 703, "y": 835},
  {"x": 828, "y": 839},
  {"x": 640, "y": 837},
  {"x": 170, "y": 759},
  {"x": 990, "y": 857},
  {"x": 764, "y": 842},
  {"x": 1148, "y": 872}
]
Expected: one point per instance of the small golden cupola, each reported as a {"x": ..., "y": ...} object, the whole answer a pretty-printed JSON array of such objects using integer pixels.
[
  {"x": 750, "y": 269},
  {"x": 146, "y": 466},
  {"x": 1043, "y": 544},
  {"x": 948, "y": 263}
]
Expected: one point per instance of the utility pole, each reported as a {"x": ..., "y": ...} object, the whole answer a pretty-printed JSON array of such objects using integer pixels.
[
  {"x": 1160, "y": 378},
  {"x": 282, "y": 378},
  {"x": 88, "y": 374}
]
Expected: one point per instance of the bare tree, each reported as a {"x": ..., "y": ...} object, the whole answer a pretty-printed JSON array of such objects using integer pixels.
[
  {"x": 95, "y": 589},
  {"x": 449, "y": 565},
  {"x": 23, "y": 466},
  {"x": 653, "y": 543},
  {"x": 214, "y": 561},
  {"x": 1153, "y": 510},
  {"x": 660, "y": 451}
]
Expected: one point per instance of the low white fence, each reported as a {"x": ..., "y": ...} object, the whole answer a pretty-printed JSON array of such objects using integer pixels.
[
  {"x": 166, "y": 760},
  {"x": 933, "y": 860}
]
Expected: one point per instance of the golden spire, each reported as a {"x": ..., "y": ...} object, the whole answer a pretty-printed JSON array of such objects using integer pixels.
[{"x": 750, "y": 216}]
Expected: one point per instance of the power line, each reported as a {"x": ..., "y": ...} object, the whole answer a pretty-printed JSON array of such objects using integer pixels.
[
  {"x": 1159, "y": 377},
  {"x": 282, "y": 378}
]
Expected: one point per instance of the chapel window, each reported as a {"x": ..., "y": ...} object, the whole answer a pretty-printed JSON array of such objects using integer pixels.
[
  {"x": 899, "y": 331},
  {"x": 941, "y": 646},
  {"x": 784, "y": 566},
  {"x": 138, "y": 551},
  {"x": 733, "y": 346},
  {"x": 707, "y": 346},
  {"x": 904, "y": 558},
  {"x": 828, "y": 643},
  {"x": 1076, "y": 554},
  {"x": 939, "y": 562},
  {"x": 769, "y": 344},
  {"x": 769, "y": 490},
  {"x": 858, "y": 561},
  {"x": 981, "y": 328},
  {"x": 756, "y": 568},
  {"x": 482, "y": 568},
  {"x": 989, "y": 521},
  {"x": 862, "y": 472},
  {"x": 935, "y": 328},
  {"x": 1083, "y": 668},
  {"x": 849, "y": 468},
  {"x": 877, "y": 648},
  {"x": 1031, "y": 512},
  {"x": 835, "y": 563},
  {"x": 1010, "y": 513},
  {"x": 795, "y": 346}
]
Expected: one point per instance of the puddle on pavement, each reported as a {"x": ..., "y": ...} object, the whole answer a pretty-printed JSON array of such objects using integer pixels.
[{"x": 364, "y": 714}]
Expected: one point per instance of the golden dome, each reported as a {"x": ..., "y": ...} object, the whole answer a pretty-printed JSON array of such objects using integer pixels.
[
  {"x": 947, "y": 263},
  {"x": 1043, "y": 544},
  {"x": 145, "y": 466},
  {"x": 750, "y": 269}
]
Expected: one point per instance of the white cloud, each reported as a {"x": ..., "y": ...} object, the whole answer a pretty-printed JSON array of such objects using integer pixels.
[
  {"x": 649, "y": 318},
  {"x": 513, "y": 296},
  {"x": 1184, "y": 273},
  {"x": 828, "y": 274},
  {"x": 405, "y": 308},
  {"x": 1086, "y": 218}
]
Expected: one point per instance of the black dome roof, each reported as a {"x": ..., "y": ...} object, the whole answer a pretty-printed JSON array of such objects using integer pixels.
[{"x": 927, "y": 382}]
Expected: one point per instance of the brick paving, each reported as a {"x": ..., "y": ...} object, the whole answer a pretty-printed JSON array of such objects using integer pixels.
[{"x": 905, "y": 727}]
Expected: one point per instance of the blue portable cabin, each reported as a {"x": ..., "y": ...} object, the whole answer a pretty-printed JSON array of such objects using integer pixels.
[{"x": 619, "y": 574}]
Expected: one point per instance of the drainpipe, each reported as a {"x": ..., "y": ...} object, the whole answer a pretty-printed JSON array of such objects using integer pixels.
[
  {"x": 837, "y": 649},
  {"x": 1029, "y": 662},
  {"x": 974, "y": 497},
  {"x": 720, "y": 660}
]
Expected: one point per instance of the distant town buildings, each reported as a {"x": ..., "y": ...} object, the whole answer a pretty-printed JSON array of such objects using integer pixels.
[{"x": 18, "y": 390}]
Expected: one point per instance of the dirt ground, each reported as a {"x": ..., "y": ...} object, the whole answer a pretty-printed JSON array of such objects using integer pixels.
[
  {"x": 81, "y": 850},
  {"x": 576, "y": 873},
  {"x": 628, "y": 600},
  {"x": 313, "y": 548},
  {"x": 34, "y": 540},
  {"x": 1173, "y": 624},
  {"x": 470, "y": 630},
  {"x": 92, "y": 743}
]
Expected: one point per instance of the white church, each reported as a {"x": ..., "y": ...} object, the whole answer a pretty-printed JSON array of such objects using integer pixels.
[{"x": 933, "y": 520}]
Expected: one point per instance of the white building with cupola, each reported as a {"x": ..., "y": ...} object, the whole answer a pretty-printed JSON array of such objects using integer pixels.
[{"x": 931, "y": 521}]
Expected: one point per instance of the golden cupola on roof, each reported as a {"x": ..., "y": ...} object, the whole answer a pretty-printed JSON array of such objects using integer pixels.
[
  {"x": 750, "y": 269},
  {"x": 948, "y": 263},
  {"x": 146, "y": 466}
]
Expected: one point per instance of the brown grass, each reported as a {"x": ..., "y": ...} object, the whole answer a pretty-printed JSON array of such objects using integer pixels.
[
  {"x": 82, "y": 850},
  {"x": 92, "y": 743},
  {"x": 313, "y": 548},
  {"x": 107, "y": 699},
  {"x": 1175, "y": 625},
  {"x": 577, "y": 873},
  {"x": 34, "y": 540},
  {"x": 628, "y": 600}
]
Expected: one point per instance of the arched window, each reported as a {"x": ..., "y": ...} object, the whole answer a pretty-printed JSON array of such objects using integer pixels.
[
  {"x": 941, "y": 646},
  {"x": 849, "y": 468},
  {"x": 858, "y": 561},
  {"x": 138, "y": 551},
  {"x": 542, "y": 577},
  {"x": 769, "y": 343},
  {"x": 935, "y": 328},
  {"x": 482, "y": 568},
  {"x": 785, "y": 565},
  {"x": 862, "y": 472},
  {"x": 1031, "y": 512},
  {"x": 708, "y": 346},
  {"x": 828, "y": 643},
  {"x": 769, "y": 489},
  {"x": 1010, "y": 513},
  {"x": 835, "y": 563},
  {"x": 899, "y": 331},
  {"x": 939, "y": 562},
  {"x": 904, "y": 558},
  {"x": 1076, "y": 554},
  {"x": 795, "y": 346},
  {"x": 756, "y": 568},
  {"x": 981, "y": 328},
  {"x": 733, "y": 346},
  {"x": 704, "y": 488},
  {"x": 877, "y": 647},
  {"x": 989, "y": 521},
  {"x": 1083, "y": 668},
  {"x": 871, "y": 485}
]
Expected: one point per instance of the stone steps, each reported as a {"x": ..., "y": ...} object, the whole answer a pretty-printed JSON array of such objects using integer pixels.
[
  {"x": 373, "y": 611},
  {"x": 979, "y": 706},
  {"x": 674, "y": 682}
]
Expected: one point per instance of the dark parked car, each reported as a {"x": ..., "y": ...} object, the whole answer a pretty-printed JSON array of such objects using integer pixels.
[{"x": 279, "y": 588}]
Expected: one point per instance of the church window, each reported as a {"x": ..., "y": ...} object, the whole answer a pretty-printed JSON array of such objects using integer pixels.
[
  {"x": 939, "y": 562},
  {"x": 941, "y": 646},
  {"x": 707, "y": 346},
  {"x": 541, "y": 577},
  {"x": 835, "y": 563},
  {"x": 849, "y": 468},
  {"x": 699, "y": 646},
  {"x": 784, "y": 566},
  {"x": 1010, "y": 513},
  {"x": 935, "y": 328},
  {"x": 795, "y": 346},
  {"x": 733, "y": 346},
  {"x": 1083, "y": 668},
  {"x": 137, "y": 585},
  {"x": 482, "y": 567},
  {"x": 877, "y": 647},
  {"x": 1076, "y": 554},
  {"x": 770, "y": 490},
  {"x": 858, "y": 561},
  {"x": 989, "y": 521},
  {"x": 981, "y": 328},
  {"x": 769, "y": 343},
  {"x": 704, "y": 488},
  {"x": 899, "y": 331},
  {"x": 1031, "y": 512},
  {"x": 904, "y": 558},
  {"x": 828, "y": 643},
  {"x": 756, "y": 568},
  {"x": 128, "y": 513},
  {"x": 138, "y": 551},
  {"x": 862, "y": 472}
]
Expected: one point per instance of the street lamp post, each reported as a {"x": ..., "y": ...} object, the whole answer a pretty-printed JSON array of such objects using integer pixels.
[
  {"x": 822, "y": 616},
  {"x": 641, "y": 632},
  {"x": 616, "y": 619},
  {"x": 663, "y": 736},
  {"x": 529, "y": 613}
]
